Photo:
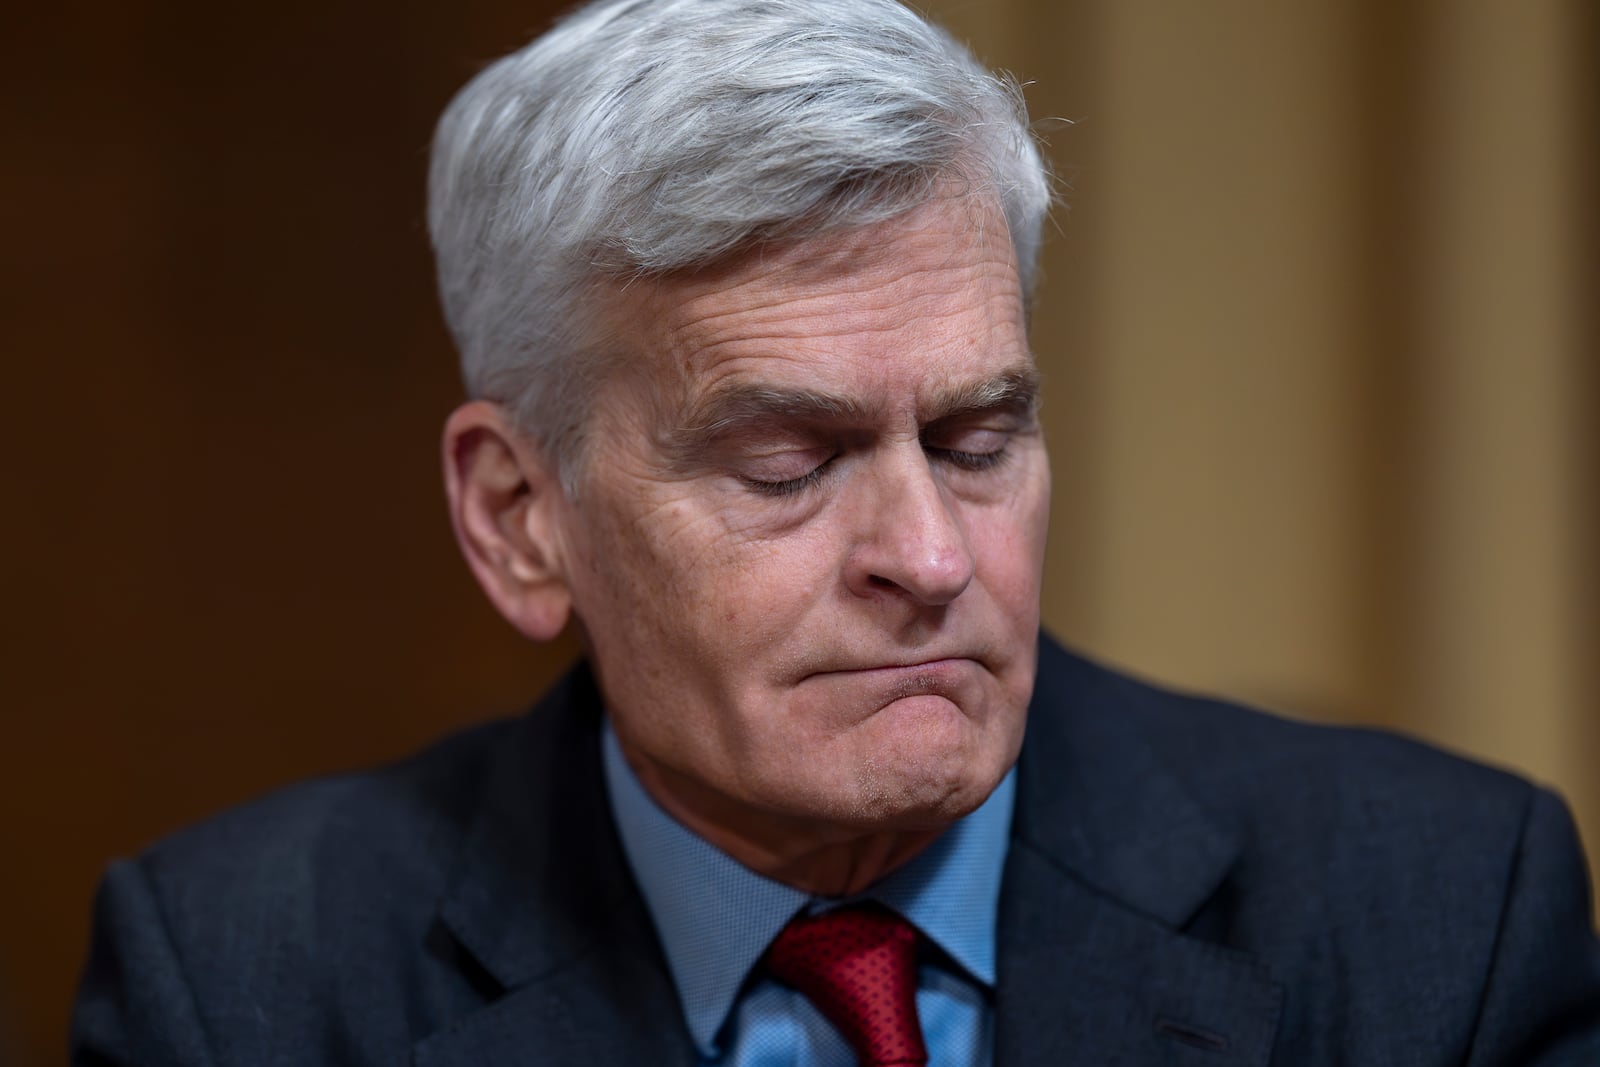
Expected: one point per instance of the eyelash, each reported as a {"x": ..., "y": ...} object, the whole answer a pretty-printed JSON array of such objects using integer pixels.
[
  {"x": 793, "y": 485},
  {"x": 966, "y": 461},
  {"x": 972, "y": 461}
]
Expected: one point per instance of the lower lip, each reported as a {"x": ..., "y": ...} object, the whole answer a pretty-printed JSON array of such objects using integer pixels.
[
  {"x": 936, "y": 678},
  {"x": 938, "y": 669}
]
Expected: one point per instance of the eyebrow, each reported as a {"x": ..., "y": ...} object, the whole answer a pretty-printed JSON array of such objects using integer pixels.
[
  {"x": 727, "y": 410},
  {"x": 1015, "y": 391}
]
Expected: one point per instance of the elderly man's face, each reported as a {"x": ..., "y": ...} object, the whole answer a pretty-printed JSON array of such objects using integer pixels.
[{"x": 806, "y": 548}]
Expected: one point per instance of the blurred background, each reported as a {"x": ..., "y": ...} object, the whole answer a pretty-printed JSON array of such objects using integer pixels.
[{"x": 1318, "y": 329}]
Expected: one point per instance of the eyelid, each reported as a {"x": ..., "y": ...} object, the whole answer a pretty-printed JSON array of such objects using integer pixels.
[
  {"x": 975, "y": 438},
  {"x": 773, "y": 467},
  {"x": 789, "y": 486},
  {"x": 973, "y": 461},
  {"x": 1001, "y": 418}
]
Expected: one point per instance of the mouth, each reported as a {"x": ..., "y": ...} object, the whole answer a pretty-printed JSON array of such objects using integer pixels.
[
  {"x": 888, "y": 682},
  {"x": 923, "y": 693},
  {"x": 932, "y": 668}
]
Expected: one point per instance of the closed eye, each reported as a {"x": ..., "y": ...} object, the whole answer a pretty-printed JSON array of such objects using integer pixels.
[
  {"x": 969, "y": 461},
  {"x": 967, "y": 448},
  {"x": 789, "y": 486}
]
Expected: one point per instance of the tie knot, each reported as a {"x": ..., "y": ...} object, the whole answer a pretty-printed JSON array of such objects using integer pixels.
[{"x": 858, "y": 966}]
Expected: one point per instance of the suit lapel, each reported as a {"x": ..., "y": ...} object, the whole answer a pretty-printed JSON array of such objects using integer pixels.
[
  {"x": 544, "y": 903},
  {"x": 614, "y": 1004},
  {"x": 1110, "y": 859},
  {"x": 1086, "y": 980}
]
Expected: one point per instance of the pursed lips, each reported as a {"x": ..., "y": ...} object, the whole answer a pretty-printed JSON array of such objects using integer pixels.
[
  {"x": 847, "y": 696},
  {"x": 941, "y": 676}
]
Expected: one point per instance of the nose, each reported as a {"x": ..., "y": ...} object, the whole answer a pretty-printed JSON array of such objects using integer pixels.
[{"x": 912, "y": 538}]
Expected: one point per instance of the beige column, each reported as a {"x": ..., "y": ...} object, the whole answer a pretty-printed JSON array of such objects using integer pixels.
[
  {"x": 1220, "y": 518},
  {"x": 1502, "y": 651}
]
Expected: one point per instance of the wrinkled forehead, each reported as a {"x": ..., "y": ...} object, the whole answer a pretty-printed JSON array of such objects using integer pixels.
[{"x": 947, "y": 268}]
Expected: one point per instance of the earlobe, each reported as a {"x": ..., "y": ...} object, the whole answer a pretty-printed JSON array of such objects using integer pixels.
[{"x": 505, "y": 499}]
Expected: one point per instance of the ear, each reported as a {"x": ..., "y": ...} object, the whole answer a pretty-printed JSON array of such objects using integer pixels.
[{"x": 505, "y": 504}]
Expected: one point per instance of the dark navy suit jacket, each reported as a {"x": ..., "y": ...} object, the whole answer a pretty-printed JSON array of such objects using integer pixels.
[{"x": 1188, "y": 883}]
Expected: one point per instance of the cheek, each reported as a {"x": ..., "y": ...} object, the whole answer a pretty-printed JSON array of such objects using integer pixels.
[
  {"x": 1010, "y": 551},
  {"x": 751, "y": 597},
  {"x": 691, "y": 589}
]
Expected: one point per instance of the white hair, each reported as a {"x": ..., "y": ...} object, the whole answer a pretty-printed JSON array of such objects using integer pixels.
[{"x": 642, "y": 136}]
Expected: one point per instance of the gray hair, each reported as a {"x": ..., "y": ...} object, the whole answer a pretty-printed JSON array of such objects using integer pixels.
[{"x": 644, "y": 136}]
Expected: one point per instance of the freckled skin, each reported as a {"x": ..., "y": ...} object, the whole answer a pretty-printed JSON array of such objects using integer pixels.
[{"x": 820, "y": 678}]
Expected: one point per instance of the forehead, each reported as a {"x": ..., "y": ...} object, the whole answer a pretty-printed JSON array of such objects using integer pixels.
[{"x": 934, "y": 293}]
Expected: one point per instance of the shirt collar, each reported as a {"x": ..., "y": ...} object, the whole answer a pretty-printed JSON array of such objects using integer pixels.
[{"x": 716, "y": 917}]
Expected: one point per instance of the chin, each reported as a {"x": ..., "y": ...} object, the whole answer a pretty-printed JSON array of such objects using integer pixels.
[{"x": 920, "y": 794}]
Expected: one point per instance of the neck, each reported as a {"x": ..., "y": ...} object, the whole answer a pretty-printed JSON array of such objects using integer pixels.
[{"x": 819, "y": 858}]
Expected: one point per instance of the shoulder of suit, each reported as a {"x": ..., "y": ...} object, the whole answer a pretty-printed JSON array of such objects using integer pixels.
[
  {"x": 1258, "y": 769},
  {"x": 301, "y": 849}
]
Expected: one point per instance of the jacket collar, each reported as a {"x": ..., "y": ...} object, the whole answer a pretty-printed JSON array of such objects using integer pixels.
[
  {"x": 543, "y": 902},
  {"x": 1110, "y": 858}
]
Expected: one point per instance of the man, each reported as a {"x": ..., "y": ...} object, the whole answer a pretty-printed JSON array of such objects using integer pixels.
[{"x": 740, "y": 289}]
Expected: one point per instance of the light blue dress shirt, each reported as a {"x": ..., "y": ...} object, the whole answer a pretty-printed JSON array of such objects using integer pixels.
[{"x": 716, "y": 918}]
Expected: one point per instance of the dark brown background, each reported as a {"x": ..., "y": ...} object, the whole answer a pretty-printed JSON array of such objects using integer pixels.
[{"x": 226, "y": 562}]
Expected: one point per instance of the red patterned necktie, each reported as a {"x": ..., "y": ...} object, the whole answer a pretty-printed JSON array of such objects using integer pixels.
[{"x": 858, "y": 966}]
